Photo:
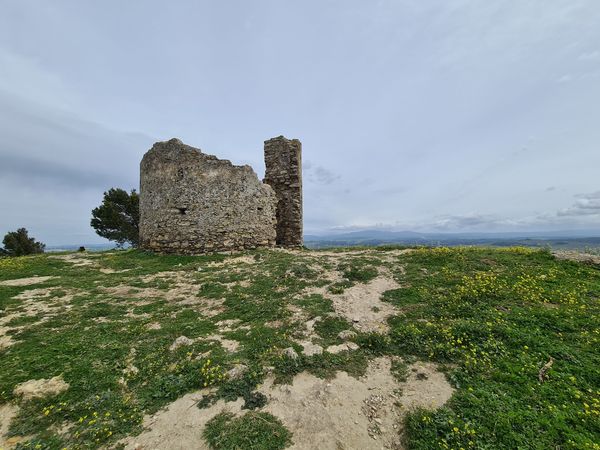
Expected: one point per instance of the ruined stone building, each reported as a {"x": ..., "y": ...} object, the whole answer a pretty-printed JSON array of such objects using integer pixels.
[{"x": 191, "y": 202}]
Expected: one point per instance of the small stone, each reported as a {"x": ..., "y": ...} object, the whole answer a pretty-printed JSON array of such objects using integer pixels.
[
  {"x": 311, "y": 349},
  {"x": 346, "y": 335},
  {"x": 352, "y": 346},
  {"x": 237, "y": 371},
  {"x": 290, "y": 353},
  {"x": 180, "y": 342}
]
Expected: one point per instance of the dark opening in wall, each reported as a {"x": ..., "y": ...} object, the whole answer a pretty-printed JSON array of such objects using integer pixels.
[{"x": 182, "y": 211}]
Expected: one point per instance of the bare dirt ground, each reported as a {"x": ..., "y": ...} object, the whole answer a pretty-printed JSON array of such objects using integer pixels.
[
  {"x": 25, "y": 281},
  {"x": 78, "y": 260},
  {"x": 41, "y": 388},
  {"x": 337, "y": 414},
  {"x": 574, "y": 255},
  {"x": 362, "y": 305},
  {"x": 34, "y": 302},
  {"x": 7, "y": 413}
]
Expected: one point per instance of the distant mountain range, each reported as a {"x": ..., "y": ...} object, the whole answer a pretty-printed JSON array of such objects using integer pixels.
[{"x": 579, "y": 239}]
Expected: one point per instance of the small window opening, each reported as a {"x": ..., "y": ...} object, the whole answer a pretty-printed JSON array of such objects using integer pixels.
[{"x": 182, "y": 211}]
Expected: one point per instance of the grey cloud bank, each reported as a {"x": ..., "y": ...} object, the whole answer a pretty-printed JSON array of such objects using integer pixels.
[{"x": 429, "y": 115}]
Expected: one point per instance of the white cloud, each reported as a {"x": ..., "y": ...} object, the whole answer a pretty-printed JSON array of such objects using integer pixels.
[
  {"x": 585, "y": 205},
  {"x": 318, "y": 174}
]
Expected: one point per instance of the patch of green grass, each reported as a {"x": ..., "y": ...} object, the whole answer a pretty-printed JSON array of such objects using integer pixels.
[
  {"x": 328, "y": 329},
  {"x": 303, "y": 271},
  {"x": 497, "y": 316},
  {"x": 252, "y": 431},
  {"x": 359, "y": 270},
  {"x": 374, "y": 343},
  {"x": 315, "y": 304},
  {"x": 339, "y": 287},
  {"x": 212, "y": 290},
  {"x": 324, "y": 365}
]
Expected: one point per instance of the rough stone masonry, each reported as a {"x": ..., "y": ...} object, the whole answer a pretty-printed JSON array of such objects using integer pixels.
[
  {"x": 283, "y": 162},
  {"x": 191, "y": 202}
]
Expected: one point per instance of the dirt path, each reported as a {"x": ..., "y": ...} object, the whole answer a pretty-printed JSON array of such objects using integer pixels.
[{"x": 361, "y": 304}]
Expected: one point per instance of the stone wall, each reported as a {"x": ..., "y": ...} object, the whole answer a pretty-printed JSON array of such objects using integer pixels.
[
  {"x": 191, "y": 202},
  {"x": 283, "y": 161}
]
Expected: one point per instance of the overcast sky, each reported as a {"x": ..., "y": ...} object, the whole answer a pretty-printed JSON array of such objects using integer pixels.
[{"x": 445, "y": 115}]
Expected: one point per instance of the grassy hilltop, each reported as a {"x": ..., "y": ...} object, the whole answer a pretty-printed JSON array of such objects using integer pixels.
[{"x": 515, "y": 332}]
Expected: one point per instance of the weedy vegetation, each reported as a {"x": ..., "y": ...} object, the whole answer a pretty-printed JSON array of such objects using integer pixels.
[{"x": 492, "y": 318}]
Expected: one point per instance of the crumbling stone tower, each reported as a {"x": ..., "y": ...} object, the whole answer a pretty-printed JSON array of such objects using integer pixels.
[
  {"x": 283, "y": 161},
  {"x": 191, "y": 202}
]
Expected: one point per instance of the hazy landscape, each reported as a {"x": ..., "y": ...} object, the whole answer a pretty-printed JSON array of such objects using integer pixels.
[{"x": 585, "y": 240}]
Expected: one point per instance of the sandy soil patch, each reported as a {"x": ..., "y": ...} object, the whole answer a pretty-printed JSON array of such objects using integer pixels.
[
  {"x": 228, "y": 324},
  {"x": 25, "y": 281},
  {"x": 130, "y": 369},
  {"x": 33, "y": 301},
  {"x": 41, "y": 388},
  {"x": 184, "y": 292},
  {"x": 169, "y": 275},
  {"x": 33, "y": 304},
  {"x": 334, "y": 414},
  {"x": 180, "y": 425},
  {"x": 425, "y": 387},
  {"x": 76, "y": 259},
  {"x": 108, "y": 271},
  {"x": 346, "y": 346},
  {"x": 362, "y": 305},
  {"x": 7, "y": 413},
  {"x": 125, "y": 291},
  {"x": 310, "y": 349},
  {"x": 246, "y": 259},
  {"x": 341, "y": 413},
  {"x": 36, "y": 294},
  {"x": 574, "y": 255},
  {"x": 5, "y": 340},
  {"x": 228, "y": 344}
]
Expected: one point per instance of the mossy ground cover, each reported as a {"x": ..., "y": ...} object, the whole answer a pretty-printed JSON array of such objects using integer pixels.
[{"x": 492, "y": 317}]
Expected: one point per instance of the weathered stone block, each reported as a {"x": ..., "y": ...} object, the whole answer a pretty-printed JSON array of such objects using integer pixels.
[{"x": 209, "y": 204}]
